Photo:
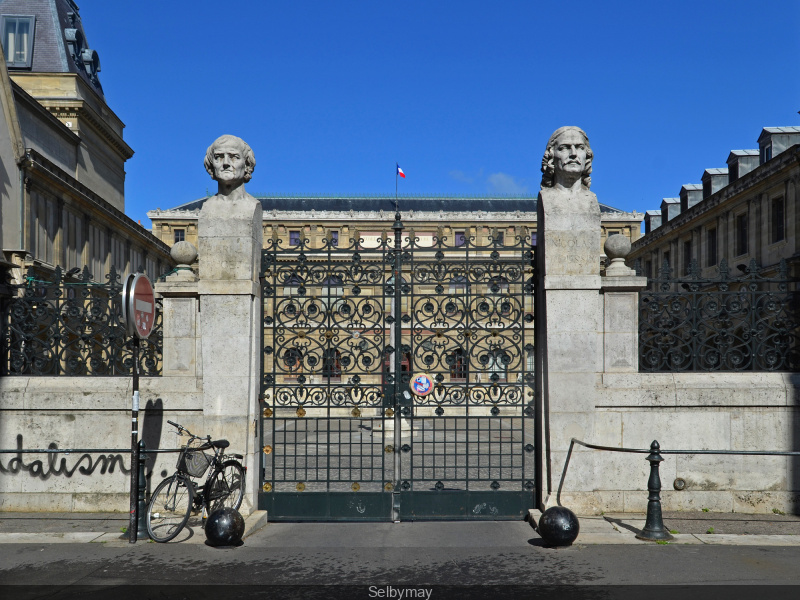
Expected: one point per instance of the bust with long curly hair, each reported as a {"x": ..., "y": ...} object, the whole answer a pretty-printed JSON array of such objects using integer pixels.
[{"x": 567, "y": 159}]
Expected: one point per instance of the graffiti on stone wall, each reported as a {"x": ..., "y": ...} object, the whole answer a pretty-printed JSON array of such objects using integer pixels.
[{"x": 86, "y": 464}]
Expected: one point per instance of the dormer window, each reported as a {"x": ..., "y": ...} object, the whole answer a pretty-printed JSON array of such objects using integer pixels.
[
  {"x": 766, "y": 153},
  {"x": 18, "y": 40}
]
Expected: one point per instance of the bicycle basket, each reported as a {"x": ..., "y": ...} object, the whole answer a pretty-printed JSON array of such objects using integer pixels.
[{"x": 194, "y": 462}]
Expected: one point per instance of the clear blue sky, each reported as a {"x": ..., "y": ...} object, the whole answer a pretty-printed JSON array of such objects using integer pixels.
[{"x": 463, "y": 94}]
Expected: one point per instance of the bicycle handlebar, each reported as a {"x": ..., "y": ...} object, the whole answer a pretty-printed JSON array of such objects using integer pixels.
[{"x": 181, "y": 429}]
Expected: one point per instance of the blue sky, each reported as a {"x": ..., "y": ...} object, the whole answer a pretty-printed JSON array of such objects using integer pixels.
[{"x": 464, "y": 95}]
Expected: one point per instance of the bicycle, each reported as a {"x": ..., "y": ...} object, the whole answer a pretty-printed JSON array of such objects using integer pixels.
[{"x": 173, "y": 500}]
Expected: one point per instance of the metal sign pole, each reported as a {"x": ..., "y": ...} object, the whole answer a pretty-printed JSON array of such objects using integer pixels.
[{"x": 133, "y": 525}]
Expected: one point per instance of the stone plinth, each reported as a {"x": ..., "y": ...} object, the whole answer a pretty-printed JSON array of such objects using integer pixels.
[
  {"x": 570, "y": 342},
  {"x": 230, "y": 238}
]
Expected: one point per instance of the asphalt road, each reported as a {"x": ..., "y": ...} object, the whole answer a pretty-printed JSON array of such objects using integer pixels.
[{"x": 358, "y": 560}]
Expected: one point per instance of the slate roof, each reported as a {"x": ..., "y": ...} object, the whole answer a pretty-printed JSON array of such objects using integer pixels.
[
  {"x": 50, "y": 50},
  {"x": 791, "y": 129},
  {"x": 427, "y": 203}
]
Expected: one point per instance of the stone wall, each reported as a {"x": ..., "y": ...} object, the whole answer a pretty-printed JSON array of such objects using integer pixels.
[
  {"x": 87, "y": 413},
  {"x": 686, "y": 411}
]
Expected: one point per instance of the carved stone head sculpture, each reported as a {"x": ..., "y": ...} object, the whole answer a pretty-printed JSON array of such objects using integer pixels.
[
  {"x": 567, "y": 159},
  {"x": 230, "y": 161}
]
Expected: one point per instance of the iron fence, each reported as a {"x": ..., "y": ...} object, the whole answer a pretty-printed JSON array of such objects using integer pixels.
[
  {"x": 72, "y": 326},
  {"x": 749, "y": 322}
]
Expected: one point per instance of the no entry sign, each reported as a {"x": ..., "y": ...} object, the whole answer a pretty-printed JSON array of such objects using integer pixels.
[{"x": 139, "y": 305}]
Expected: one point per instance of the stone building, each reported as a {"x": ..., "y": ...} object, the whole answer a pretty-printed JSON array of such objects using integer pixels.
[
  {"x": 745, "y": 211},
  {"x": 63, "y": 152},
  {"x": 315, "y": 217}
]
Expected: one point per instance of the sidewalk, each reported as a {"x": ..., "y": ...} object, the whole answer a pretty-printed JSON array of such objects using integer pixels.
[{"x": 730, "y": 529}]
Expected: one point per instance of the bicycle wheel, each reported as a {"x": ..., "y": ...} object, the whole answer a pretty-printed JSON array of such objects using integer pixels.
[
  {"x": 169, "y": 508},
  {"x": 225, "y": 488}
]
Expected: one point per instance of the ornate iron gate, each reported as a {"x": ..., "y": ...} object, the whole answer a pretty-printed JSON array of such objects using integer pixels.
[{"x": 346, "y": 328}]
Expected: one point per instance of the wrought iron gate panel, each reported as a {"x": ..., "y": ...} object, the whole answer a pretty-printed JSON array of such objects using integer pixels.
[
  {"x": 468, "y": 446},
  {"x": 342, "y": 437},
  {"x": 323, "y": 452}
]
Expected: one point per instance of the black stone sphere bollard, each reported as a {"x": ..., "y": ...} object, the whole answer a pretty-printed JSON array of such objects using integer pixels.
[
  {"x": 558, "y": 526},
  {"x": 225, "y": 527}
]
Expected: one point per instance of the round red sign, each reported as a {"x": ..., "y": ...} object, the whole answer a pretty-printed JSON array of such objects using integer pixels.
[
  {"x": 140, "y": 306},
  {"x": 422, "y": 384}
]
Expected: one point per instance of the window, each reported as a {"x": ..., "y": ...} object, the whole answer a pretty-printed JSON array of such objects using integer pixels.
[
  {"x": 332, "y": 364},
  {"x": 334, "y": 239},
  {"x": 18, "y": 40},
  {"x": 778, "y": 220},
  {"x": 766, "y": 153},
  {"x": 293, "y": 361},
  {"x": 499, "y": 237},
  {"x": 707, "y": 188},
  {"x": 180, "y": 235},
  {"x": 458, "y": 366},
  {"x": 711, "y": 247},
  {"x": 496, "y": 363},
  {"x": 458, "y": 284},
  {"x": 666, "y": 260},
  {"x": 741, "y": 234},
  {"x": 294, "y": 238},
  {"x": 332, "y": 290},
  {"x": 687, "y": 256},
  {"x": 733, "y": 172},
  {"x": 533, "y": 239},
  {"x": 648, "y": 269},
  {"x": 613, "y": 232},
  {"x": 460, "y": 238}
]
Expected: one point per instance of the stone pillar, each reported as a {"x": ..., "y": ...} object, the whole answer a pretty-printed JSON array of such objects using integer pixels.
[
  {"x": 180, "y": 302},
  {"x": 569, "y": 334},
  {"x": 621, "y": 289},
  {"x": 230, "y": 239}
]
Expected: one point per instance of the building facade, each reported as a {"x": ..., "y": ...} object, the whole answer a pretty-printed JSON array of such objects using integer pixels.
[
  {"x": 747, "y": 211},
  {"x": 292, "y": 218},
  {"x": 63, "y": 152}
]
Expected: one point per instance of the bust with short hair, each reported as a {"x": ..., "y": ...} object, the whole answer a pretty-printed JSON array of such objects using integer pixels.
[{"x": 230, "y": 162}]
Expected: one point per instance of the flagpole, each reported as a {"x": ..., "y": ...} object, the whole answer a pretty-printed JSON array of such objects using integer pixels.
[{"x": 396, "y": 206}]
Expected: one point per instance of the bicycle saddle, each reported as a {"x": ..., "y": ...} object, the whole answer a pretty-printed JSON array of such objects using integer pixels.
[{"x": 220, "y": 443}]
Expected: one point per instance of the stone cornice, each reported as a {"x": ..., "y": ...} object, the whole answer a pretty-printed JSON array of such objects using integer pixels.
[{"x": 411, "y": 216}]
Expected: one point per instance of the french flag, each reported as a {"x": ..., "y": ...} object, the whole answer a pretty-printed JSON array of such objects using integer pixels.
[{"x": 400, "y": 171}]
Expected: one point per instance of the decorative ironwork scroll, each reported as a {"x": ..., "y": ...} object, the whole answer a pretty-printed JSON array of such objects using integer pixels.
[
  {"x": 745, "y": 323},
  {"x": 72, "y": 327}
]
